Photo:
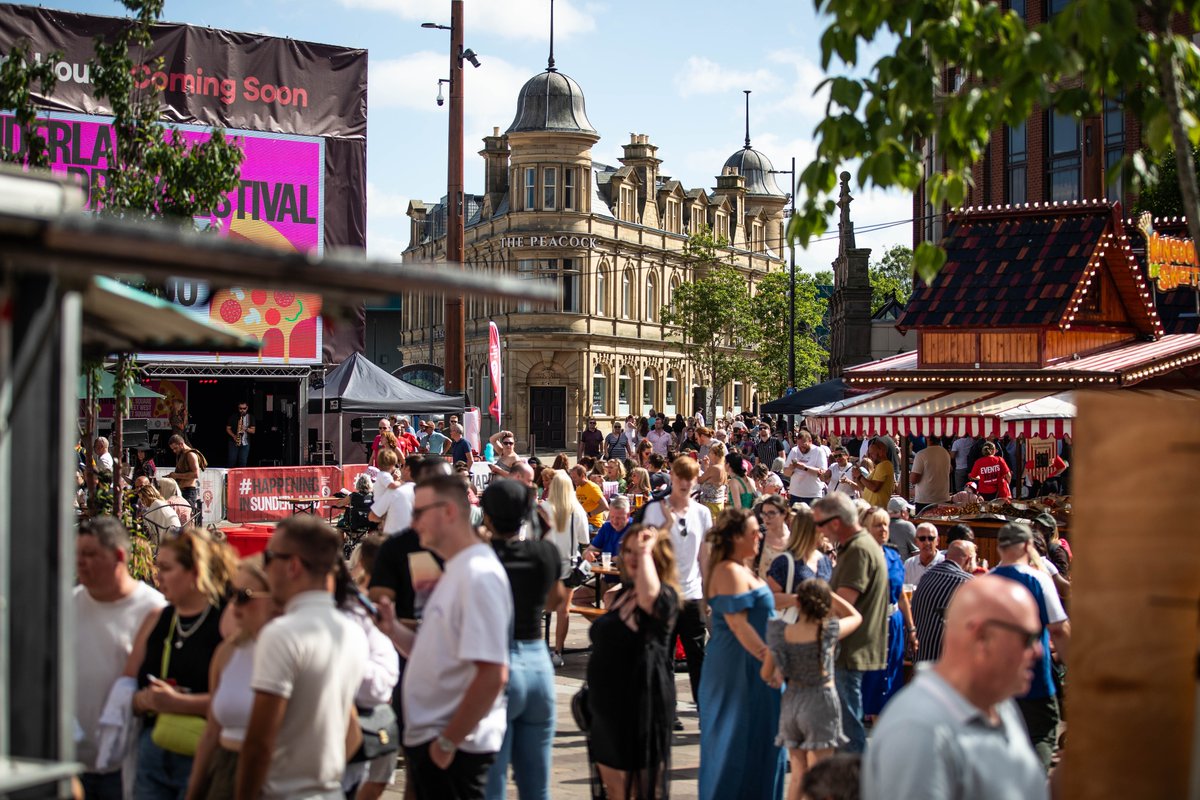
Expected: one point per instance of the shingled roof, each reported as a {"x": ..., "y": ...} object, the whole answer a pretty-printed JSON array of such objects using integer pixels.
[{"x": 1026, "y": 266}]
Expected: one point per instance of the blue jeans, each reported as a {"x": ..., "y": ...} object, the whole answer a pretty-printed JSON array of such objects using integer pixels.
[
  {"x": 102, "y": 786},
  {"x": 239, "y": 454},
  {"x": 160, "y": 775},
  {"x": 530, "y": 730},
  {"x": 849, "y": 689}
]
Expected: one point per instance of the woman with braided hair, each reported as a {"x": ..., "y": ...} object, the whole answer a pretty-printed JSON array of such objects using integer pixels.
[{"x": 801, "y": 654}]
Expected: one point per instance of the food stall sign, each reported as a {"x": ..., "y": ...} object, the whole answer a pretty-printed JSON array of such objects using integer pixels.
[{"x": 1171, "y": 260}]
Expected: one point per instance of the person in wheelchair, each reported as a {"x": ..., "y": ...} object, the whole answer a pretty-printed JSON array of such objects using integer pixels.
[{"x": 356, "y": 518}]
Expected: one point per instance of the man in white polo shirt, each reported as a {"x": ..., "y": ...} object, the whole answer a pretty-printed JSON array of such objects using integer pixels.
[
  {"x": 455, "y": 710},
  {"x": 308, "y": 665}
]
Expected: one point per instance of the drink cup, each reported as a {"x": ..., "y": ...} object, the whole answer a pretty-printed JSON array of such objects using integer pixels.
[{"x": 606, "y": 560}]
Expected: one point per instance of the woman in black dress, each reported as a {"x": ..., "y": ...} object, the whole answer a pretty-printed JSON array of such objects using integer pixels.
[{"x": 631, "y": 676}]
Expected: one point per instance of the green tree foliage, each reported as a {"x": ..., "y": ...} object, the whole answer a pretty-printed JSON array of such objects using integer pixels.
[
  {"x": 1163, "y": 198},
  {"x": 771, "y": 309},
  {"x": 891, "y": 275},
  {"x": 19, "y": 76},
  {"x": 153, "y": 174},
  {"x": 880, "y": 113},
  {"x": 715, "y": 315}
]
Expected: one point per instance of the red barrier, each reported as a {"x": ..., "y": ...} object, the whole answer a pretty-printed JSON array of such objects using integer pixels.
[
  {"x": 260, "y": 493},
  {"x": 248, "y": 540}
]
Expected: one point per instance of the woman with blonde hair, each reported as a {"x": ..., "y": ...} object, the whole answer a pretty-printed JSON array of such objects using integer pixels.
[
  {"x": 171, "y": 657},
  {"x": 169, "y": 489},
  {"x": 879, "y": 685},
  {"x": 631, "y": 672},
  {"x": 639, "y": 483},
  {"x": 159, "y": 519},
  {"x": 712, "y": 483},
  {"x": 802, "y": 558},
  {"x": 614, "y": 472},
  {"x": 216, "y": 763},
  {"x": 569, "y": 532}
]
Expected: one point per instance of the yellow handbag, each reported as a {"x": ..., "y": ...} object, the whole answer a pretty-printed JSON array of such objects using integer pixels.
[{"x": 176, "y": 733}]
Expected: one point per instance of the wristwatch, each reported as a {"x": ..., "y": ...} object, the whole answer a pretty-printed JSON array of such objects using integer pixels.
[{"x": 445, "y": 745}]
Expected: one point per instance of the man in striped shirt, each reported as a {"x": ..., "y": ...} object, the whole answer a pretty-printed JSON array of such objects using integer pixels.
[{"x": 933, "y": 594}]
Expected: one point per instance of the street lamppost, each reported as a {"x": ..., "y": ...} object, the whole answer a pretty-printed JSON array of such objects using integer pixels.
[
  {"x": 455, "y": 366},
  {"x": 791, "y": 284}
]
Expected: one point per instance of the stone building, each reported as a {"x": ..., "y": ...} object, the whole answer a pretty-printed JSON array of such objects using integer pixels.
[{"x": 612, "y": 239}]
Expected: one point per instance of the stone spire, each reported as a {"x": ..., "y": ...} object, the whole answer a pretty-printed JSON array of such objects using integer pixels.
[
  {"x": 850, "y": 305},
  {"x": 845, "y": 226}
]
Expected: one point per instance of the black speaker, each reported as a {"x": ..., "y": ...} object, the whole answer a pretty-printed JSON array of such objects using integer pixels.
[{"x": 356, "y": 429}]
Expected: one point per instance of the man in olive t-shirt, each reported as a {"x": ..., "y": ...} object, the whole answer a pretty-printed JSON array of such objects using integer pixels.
[{"x": 861, "y": 579}]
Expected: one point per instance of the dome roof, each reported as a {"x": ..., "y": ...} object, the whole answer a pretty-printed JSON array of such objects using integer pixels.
[
  {"x": 551, "y": 101},
  {"x": 756, "y": 168}
]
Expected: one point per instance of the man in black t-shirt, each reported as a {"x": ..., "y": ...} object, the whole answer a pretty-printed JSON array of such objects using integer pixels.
[
  {"x": 590, "y": 441},
  {"x": 767, "y": 448}
]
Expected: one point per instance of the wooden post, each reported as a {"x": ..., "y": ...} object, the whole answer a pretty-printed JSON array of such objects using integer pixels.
[{"x": 1135, "y": 598}]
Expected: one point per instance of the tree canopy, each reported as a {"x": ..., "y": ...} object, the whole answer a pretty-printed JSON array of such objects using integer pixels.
[
  {"x": 771, "y": 312},
  {"x": 880, "y": 114},
  {"x": 891, "y": 276}
]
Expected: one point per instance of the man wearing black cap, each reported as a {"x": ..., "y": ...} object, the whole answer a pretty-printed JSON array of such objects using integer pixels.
[
  {"x": 533, "y": 570},
  {"x": 1039, "y": 706},
  {"x": 1055, "y": 551}
]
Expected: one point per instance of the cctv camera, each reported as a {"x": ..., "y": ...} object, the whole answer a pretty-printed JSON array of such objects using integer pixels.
[
  {"x": 441, "y": 100},
  {"x": 469, "y": 55}
]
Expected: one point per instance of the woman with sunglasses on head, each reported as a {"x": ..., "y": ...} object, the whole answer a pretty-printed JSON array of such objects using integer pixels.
[
  {"x": 631, "y": 673},
  {"x": 879, "y": 685},
  {"x": 215, "y": 767},
  {"x": 739, "y": 714},
  {"x": 171, "y": 658}
]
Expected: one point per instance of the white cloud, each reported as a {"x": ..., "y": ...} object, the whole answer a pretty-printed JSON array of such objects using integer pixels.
[
  {"x": 410, "y": 82},
  {"x": 382, "y": 204},
  {"x": 511, "y": 19},
  {"x": 700, "y": 75},
  {"x": 386, "y": 244}
]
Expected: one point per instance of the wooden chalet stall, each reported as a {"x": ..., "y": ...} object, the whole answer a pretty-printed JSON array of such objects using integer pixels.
[{"x": 1033, "y": 304}]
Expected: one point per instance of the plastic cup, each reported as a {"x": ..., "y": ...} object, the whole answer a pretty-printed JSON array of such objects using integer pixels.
[{"x": 606, "y": 560}]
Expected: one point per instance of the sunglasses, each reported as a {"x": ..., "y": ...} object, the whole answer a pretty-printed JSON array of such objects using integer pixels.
[
  {"x": 418, "y": 512},
  {"x": 926, "y": 538},
  {"x": 683, "y": 531},
  {"x": 270, "y": 555},
  {"x": 821, "y": 523},
  {"x": 1030, "y": 638},
  {"x": 508, "y": 442},
  {"x": 243, "y": 597}
]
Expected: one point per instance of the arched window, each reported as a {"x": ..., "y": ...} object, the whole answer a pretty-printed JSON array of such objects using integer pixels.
[
  {"x": 627, "y": 309},
  {"x": 601, "y": 291},
  {"x": 738, "y": 397},
  {"x": 672, "y": 394},
  {"x": 670, "y": 299},
  {"x": 651, "y": 297},
  {"x": 647, "y": 391},
  {"x": 624, "y": 392},
  {"x": 599, "y": 391}
]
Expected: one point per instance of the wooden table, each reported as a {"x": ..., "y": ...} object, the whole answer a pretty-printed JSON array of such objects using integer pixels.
[{"x": 597, "y": 579}]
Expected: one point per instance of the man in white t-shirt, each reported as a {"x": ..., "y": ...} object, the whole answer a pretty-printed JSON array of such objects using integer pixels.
[
  {"x": 110, "y": 607},
  {"x": 930, "y": 474},
  {"x": 104, "y": 459},
  {"x": 393, "y": 501},
  {"x": 455, "y": 709},
  {"x": 688, "y": 522},
  {"x": 308, "y": 665},
  {"x": 804, "y": 466}
]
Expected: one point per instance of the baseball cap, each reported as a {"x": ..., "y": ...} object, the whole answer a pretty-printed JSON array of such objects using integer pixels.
[
  {"x": 507, "y": 503},
  {"x": 973, "y": 485},
  {"x": 1014, "y": 533},
  {"x": 1046, "y": 521},
  {"x": 739, "y": 426},
  {"x": 898, "y": 505}
]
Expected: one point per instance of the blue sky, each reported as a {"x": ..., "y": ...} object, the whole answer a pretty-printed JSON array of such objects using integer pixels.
[{"x": 672, "y": 70}]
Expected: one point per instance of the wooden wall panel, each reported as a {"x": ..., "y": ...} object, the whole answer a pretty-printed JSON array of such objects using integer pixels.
[
  {"x": 1131, "y": 664},
  {"x": 1008, "y": 348},
  {"x": 1060, "y": 344},
  {"x": 949, "y": 348}
]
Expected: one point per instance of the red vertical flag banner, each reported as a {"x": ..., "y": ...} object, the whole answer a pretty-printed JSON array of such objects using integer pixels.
[{"x": 494, "y": 369}]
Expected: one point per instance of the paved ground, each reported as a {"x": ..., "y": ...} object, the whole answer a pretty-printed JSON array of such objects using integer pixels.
[{"x": 570, "y": 774}]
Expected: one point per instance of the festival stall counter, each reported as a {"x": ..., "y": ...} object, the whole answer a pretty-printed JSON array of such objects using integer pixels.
[{"x": 985, "y": 519}]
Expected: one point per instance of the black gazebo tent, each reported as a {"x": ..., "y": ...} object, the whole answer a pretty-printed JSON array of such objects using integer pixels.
[
  {"x": 799, "y": 402},
  {"x": 357, "y": 386}
]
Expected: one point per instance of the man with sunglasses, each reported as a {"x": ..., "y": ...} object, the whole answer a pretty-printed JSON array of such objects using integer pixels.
[
  {"x": 308, "y": 664},
  {"x": 861, "y": 579},
  {"x": 927, "y": 554},
  {"x": 1039, "y": 705},
  {"x": 453, "y": 686},
  {"x": 955, "y": 731}
]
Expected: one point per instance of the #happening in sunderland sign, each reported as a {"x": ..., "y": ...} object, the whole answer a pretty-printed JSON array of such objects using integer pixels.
[{"x": 260, "y": 494}]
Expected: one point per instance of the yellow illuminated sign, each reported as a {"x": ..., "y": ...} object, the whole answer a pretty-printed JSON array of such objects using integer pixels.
[{"x": 1171, "y": 260}]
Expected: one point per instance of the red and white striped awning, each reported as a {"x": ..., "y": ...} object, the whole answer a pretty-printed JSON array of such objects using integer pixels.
[{"x": 928, "y": 412}]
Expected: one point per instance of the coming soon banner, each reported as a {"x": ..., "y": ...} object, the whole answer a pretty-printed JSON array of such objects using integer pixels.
[{"x": 297, "y": 109}]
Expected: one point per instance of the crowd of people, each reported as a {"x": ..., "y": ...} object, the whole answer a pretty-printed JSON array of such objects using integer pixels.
[{"x": 785, "y": 570}]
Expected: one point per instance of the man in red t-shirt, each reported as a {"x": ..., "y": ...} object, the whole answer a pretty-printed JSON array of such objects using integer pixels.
[{"x": 992, "y": 473}]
